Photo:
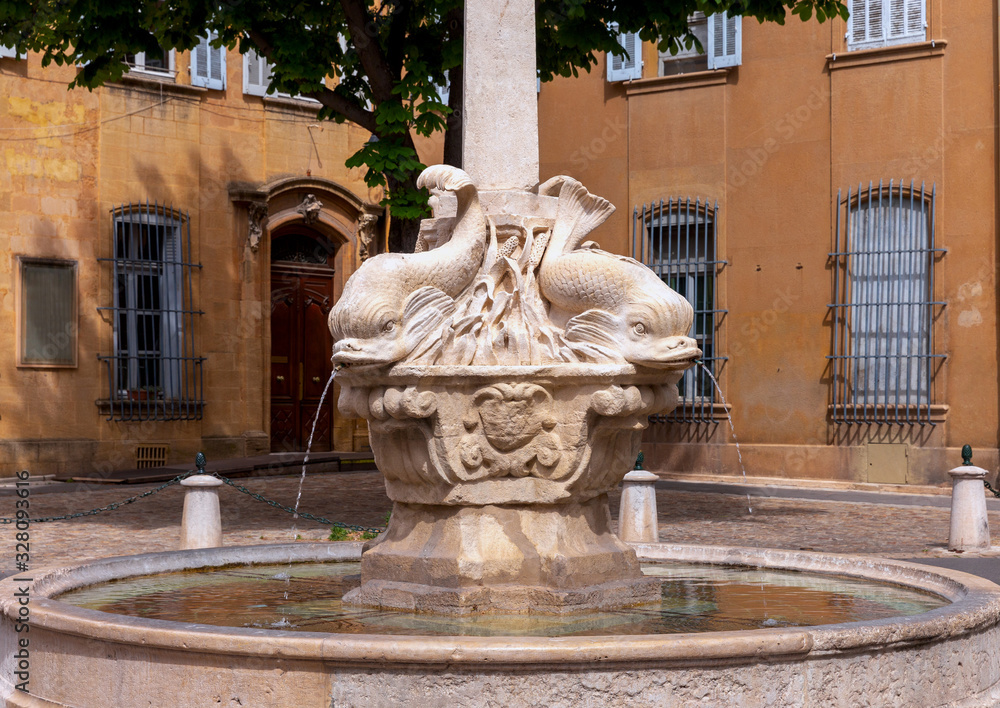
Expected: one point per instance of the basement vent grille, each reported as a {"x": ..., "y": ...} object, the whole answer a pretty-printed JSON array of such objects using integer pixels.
[{"x": 147, "y": 456}]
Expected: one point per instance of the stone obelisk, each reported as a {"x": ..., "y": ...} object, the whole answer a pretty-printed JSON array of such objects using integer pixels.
[{"x": 500, "y": 131}]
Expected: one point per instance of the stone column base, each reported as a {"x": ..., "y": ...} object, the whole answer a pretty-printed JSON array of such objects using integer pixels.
[{"x": 501, "y": 559}]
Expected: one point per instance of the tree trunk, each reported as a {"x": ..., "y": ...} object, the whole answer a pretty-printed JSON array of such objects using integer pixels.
[
  {"x": 402, "y": 232},
  {"x": 453, "y": 129}
]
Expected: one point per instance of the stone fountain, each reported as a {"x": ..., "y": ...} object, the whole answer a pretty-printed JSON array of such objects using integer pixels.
[{"x": 507, "y": 369}]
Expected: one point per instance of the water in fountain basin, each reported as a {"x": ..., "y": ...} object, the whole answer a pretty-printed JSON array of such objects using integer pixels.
[
  {"x": 695, "y": 598},
  {"x": 312, "y": 432},
  {"x": 732, "y": 428}
]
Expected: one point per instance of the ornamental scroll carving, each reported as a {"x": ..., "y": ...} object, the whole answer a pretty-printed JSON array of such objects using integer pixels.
[
  {"x": 310, "y": 209},
  {"x": 500, "y": 441},
  {"x": 256, "y": 213},
  {"x": 366, "y": 233}
]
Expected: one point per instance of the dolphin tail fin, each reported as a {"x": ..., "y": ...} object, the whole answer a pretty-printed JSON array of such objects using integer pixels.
[
  {"x": 445, "y": 178},
  {"x": 580, "y": 212},
  {"x": 426, "y": 310}
]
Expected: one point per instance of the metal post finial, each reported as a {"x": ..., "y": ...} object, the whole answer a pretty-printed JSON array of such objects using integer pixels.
[
  {"x": 200, "y": 462},
  {"x": 967, "y": 454},
  {"x": 639, "y": 461}
]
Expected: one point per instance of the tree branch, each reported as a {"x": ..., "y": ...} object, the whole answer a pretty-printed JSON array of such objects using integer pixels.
[
  {"x": 380, "y": 77},
  {"x": 351, "y": 110}
]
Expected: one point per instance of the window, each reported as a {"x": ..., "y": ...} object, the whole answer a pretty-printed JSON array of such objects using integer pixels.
[
  {"x": 883, "y": 309},
  {"x": 153, "y": 370},
  {"x": 256, "y": 74},
  {"x": 623, "y": 67},
  {"x": 160, "y": 63},
  {"x": 257, "y": 78},
  {"x": 883, "y": 23},
  {"x": 208, "y": 64},
  {"x": 720, "y": 38},
  {"x": 10, "y": 53},
  {"x": 47, "y": 322},
  {"x": 677, "y": 239}
]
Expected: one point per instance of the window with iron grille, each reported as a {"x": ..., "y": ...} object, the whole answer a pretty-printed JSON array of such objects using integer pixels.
[
  {"x": 154, "y": 372},
  {"x": 677, "y": 238},
  {"x": 883, "y": 23},
  {"x": 883, "y": 311}
]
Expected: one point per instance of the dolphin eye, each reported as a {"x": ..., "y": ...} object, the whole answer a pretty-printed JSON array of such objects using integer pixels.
[
  {"x": 389, "y": 326},
  {"x": 639, "y": 328}
]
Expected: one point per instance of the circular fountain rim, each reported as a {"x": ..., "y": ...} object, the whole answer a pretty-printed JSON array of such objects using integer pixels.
[{"x": 974, "y": 605}]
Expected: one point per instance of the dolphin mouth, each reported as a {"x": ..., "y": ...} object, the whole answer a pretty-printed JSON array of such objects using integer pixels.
[
  {"x": 680, "y": 357},
  {"x": 351, "y": 354}
]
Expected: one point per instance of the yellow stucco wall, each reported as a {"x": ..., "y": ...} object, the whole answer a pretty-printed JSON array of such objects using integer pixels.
[
  {"x": 66, "y": 159},
  {"x": 773, "y": 140}
]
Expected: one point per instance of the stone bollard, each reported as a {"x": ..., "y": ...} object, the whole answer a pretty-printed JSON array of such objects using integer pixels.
[
  {"x": 201, "y": 524},
  {"x": 637, "y": 521},
  {"x": 970, "y": 529}
]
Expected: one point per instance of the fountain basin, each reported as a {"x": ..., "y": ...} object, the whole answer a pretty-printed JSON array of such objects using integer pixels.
[{"x": 83, "y": 658}]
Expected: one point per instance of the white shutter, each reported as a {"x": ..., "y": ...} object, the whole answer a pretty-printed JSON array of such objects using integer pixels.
[
  {"x": 724, "y": 41},
  {"x": 208, "y": 64},
  {"x": 880, "y": 23},
  {"x": 171, "y": 311},
  {"x": 11, "y": 53},
  {"x": 906, "y": 21},
  {"x": 256, "y": 74},
  {"x": 622, "y": 67},
  {"x": 444, "y": 92}
]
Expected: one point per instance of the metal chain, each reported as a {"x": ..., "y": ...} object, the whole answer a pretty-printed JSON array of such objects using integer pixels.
[
  {"x": 990, "y": 487},
  {"x": 231, "y": 483},
  {"x": 290, "y": 510},
  {"x": 109, "y": 507}
]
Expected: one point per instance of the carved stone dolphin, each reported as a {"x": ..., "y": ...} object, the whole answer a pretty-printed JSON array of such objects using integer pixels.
[
  {"x": 394, "y": 300},
  {"x": 603, "y": 299}
]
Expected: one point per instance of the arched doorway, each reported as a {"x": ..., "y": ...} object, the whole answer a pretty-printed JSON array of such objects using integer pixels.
[{"x": 302, "y": 293}]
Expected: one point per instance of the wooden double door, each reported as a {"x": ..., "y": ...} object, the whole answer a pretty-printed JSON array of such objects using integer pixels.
[{"x": 301, "y": 297}]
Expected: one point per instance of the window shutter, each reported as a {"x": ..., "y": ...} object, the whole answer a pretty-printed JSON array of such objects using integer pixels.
[
  {"x": 879, "y": 23},
  {"x": 906, "y": 19},
  {"x": 444, "y": 91},
  {"x": 625, "y": 68},
  {"x": 10, "y": 53},
  {"x": 724, "y": 40},
  {"x": 208, "y": 64},
  {"x": 256, "y": 74},
  {"x": 171, "y": 312}
]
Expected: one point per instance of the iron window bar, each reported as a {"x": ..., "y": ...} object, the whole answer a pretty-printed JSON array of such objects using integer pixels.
[
  {"x": 154, "y": 371},
  {"x": 678, "y": 239},
  {"x": 883, "y": 308}
]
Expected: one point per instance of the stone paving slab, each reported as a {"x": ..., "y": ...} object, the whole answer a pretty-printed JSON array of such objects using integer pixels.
[{"x": 153, "y": 524}]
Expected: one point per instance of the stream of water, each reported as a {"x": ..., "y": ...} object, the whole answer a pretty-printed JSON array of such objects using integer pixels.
[
  {"x": 305, "y": 460},
  {"x": 732, "y": 428}
]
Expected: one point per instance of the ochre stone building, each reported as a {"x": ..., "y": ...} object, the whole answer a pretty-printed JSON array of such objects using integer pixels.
[
  {"x": 169, "y": 247},
  {"x": 826, "y": 196},
  {"x": 854, "y": 335}
]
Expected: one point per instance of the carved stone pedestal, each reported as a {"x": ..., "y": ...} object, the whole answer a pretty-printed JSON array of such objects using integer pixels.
[
  {"x": 500, "y": 477},
  {"x": 517, "y": 558}
]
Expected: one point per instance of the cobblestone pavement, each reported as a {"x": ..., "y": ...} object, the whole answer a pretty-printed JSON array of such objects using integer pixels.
[{"x": 153, "y": 524}]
